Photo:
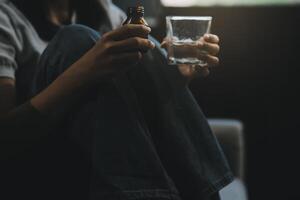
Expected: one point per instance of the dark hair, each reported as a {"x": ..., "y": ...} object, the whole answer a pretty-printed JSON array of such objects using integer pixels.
[{"x": 89, "y": 13}]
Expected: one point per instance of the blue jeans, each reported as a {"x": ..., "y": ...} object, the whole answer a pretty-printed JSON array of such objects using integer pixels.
[{"x": 138, "y": 137}]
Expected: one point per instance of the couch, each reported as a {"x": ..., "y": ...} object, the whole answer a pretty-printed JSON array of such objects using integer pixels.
[{"x": 231, "y": 137}]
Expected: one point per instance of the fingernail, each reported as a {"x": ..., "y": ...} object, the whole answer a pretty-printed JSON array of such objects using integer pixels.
[
  {"x": 200, "y": 43},
  {"x": 148, "y": 29},
  {"x": 207, "y": 36},
  {"x": 152, "y": 43}
]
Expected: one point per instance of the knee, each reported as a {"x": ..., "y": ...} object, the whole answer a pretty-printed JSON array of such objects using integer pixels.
[
  {"x": 67, "y": 46},
  {"x": 77, "y": 32},
  {"x": 75, "y": 37},
  {"x": 70, "y": 44}
]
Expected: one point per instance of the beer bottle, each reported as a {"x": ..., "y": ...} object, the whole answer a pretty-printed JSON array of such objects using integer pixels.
[
  {"x": 135, "y": 15},
  {"x": 129, "y": 15}
]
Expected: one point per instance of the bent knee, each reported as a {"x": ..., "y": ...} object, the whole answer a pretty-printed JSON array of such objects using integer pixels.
[
  {"x": 78, "y": 30},
  {"x": 76, "y": 36},
  {"x": 67, "y": 46}
]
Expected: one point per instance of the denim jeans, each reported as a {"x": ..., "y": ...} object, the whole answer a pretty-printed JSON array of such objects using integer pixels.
[{"x": 137, "y": 136}]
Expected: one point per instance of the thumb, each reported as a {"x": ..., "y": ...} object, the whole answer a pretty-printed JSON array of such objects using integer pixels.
[{"x": 165, "y": 43}]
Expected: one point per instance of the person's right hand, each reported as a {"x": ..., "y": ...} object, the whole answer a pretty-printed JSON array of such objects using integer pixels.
[{"x": 119, "y": 50}]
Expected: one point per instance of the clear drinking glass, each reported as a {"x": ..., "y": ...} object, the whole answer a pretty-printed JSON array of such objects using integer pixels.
[{"x": 183, "y": 35}]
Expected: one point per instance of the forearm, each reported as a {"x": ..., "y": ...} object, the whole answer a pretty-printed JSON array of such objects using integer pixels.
[
  {"x": 115, "y": 51},
  {"x": 25, "y": 125},
  {"x": 22, "y": 128},
  {"x": 118, "y": 50},
  {"x": 59, "y": 97}
]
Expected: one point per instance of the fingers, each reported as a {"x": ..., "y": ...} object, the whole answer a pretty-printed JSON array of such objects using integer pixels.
[
  {"x": 127, "y": 58},
  {"x": 120, "y": 62},
  {"x": 165, "y": 43},
  {"x": 127, "y": 31},
  {"x": 204, "y": 46},
  {"x": 186, "y": 70},
  {"x": 202, "y": 71},
  {"x": 193, "y": 71},
  {"x": 209, "y": 44},
  {"x": 212, "y": 61},
  {"x": 131, "y": 44},
  {"x": 209, "y": 48},
  {"x": 210, "y": 38}
]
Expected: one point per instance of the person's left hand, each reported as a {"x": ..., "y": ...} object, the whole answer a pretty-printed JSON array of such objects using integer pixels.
[{"x": 208, "y": 43}]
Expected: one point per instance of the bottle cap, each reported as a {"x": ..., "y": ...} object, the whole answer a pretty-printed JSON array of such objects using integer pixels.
[{"x": 139, "y": 11}]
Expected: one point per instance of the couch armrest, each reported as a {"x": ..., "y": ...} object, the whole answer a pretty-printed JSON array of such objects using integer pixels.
[
  {"x": 234, "y": 191},
  {"x": 231, "y": 138}
]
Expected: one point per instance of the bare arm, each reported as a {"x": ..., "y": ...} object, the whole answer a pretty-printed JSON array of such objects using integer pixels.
[
  {"x": 117, "y": 49},
  {"x": 18, "y": 125},
  {"x": 23, "y": 126},
  {"x": 7, "y": 94}
]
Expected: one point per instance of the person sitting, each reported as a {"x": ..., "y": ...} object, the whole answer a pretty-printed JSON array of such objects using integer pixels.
[{"x": 90, "y": 109}]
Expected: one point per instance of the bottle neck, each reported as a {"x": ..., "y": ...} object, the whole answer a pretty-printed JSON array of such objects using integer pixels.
[
  {"x": 130, "y": 11},
  {"x": 135, "y": 15},
  {"x": 139, "y": 11}
]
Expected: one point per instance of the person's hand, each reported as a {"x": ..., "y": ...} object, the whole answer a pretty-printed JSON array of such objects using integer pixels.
[
  {"x": 209, "y": 44},
  {"x": 114, "y": 52},
  {"x": 119, "y": 50}
]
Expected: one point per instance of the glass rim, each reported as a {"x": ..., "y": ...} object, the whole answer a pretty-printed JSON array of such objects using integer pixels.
[{"x": 207, "y": 18}]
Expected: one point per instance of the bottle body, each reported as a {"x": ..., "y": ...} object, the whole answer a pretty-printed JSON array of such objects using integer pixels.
[
  {"x": 129, "y": 15},
  {"x": 139, "y": 20},
  {"x": 135, "y": 15}
]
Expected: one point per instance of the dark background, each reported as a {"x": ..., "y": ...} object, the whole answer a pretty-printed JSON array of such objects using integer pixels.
[{"x": 257, "y": 83}]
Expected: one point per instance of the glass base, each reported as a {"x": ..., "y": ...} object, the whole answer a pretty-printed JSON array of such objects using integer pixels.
[{"x": 188, "y": 61}]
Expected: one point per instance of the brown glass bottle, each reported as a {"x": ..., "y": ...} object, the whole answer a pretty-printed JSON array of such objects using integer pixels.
[
  {"x": 135, "y": 15},
  {"x": 129, "y": 15}
]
